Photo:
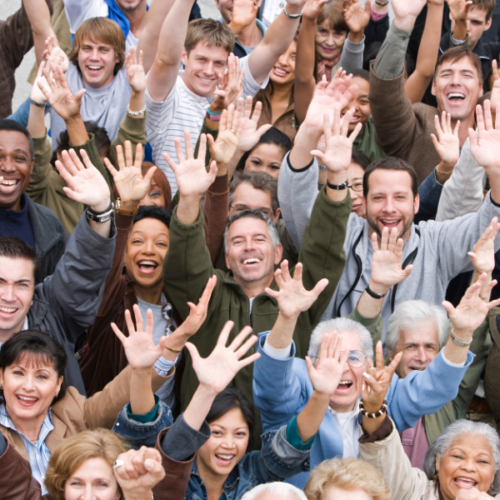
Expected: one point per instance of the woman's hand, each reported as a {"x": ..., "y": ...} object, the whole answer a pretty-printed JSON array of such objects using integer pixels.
[
  {"x": 141, "y": 351},
  {"x": 472, "y": 494},
  {"x": 216, "y": 371},
  {"x": 140, "y": 472},
  {"x": 250, "y": 134},
  {"x": 135, "y": 71},
  {"x": 230, "y": 85},
  {"x": 292, "y": 297},
  {"x": 131, "y": 185},
  {"x": 357, "y": 17},
  {"x": 312, "y": 8},
  {"x": 40, "y": 82}
]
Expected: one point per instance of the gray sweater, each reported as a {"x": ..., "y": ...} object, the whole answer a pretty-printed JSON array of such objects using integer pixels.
[{"x": 437, "y": 250}]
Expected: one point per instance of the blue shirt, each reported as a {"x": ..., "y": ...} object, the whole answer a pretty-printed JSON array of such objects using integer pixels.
[{"x": 17, "y": 223}]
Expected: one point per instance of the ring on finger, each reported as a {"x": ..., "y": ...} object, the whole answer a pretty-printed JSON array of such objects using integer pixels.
[{"x": 118, "y": 463}]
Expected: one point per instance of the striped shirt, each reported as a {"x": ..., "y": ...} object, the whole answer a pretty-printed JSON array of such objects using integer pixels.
[
  {"x": 182, "y": 110},
  {"x": 38, "y": 453}
]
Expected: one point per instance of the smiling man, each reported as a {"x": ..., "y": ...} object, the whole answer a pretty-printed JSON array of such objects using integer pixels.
[{"x": 34, "y": 224}]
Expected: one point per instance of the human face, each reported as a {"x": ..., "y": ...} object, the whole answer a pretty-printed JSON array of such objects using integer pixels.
[
  {"x": 246, "y": 197},
  {"x": 226, "y": 8},
  {"x": 390, "y": 202},
  {"x": 349, "y": 390},
  {"x": 334, "y": 493},
  {"x": 226, "y": 446},
  {"x": 419, "y": 345},
  {"x": 97, "y": 63},
  {"x": 266, "y": 158},
  {"x": 16, "y": 165},
  {"x": 17, "y": 286},
  {"x": 250, "y": 253},
  {"x": 457, "y": 88},
  {"x": 476, "y": 25},
  {"x": 29, "y": 386},
  {"x": 467, "y": 463},
  {"x": 360, "y": 104},
  {"x": 283, "y": 72},
  {"x": 154, "y": 197},
  {"x": 203, "y": 66},
  {"x": 329, "y": 41},
  {"x": 355, "y": 178},
  {"x": 146, "y": 249},
  {"x": 94, "y": 479}
]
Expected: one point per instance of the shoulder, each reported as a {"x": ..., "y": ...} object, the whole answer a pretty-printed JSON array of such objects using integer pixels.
[{"x": 71, "y": 406}]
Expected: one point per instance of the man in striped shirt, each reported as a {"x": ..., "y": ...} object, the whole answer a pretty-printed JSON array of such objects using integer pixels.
[{"x": 178, "y": 101}]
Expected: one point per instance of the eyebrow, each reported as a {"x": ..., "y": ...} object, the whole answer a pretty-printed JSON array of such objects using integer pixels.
[
  {"x": 22, "y": 280},
  {"x": 138, "y": 231}
]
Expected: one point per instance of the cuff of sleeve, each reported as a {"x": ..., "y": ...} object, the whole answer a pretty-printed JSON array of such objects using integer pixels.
[
  {"x": 380, "y": 434},
  {"x": 494, "y": 202},
  {"x": 293, "y": 436},
  {"x": 148, "y": 417},
  {"x": 449, "y": 363},
  {"x": 457, "y": 42},
  {"x": 303, "y": 169},
  {"x": 220, "y": 185},
  {"x": 279, "y": 354},
  {"x": 162, "y": 366}
]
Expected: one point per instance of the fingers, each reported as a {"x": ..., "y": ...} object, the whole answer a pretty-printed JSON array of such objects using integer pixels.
[
  {"x": 238, "y": 340},
  {"x": 202, "y": 150},
  {"x": 355, "y": 132},
  {"x": 112, "y": 170},
  {"x": 379, "y": 356},
  {"x": 171, "y": 163},
  {"x": 129, "y": 322},
  {"x": 248, "y": 361},
  {"x": 246, "y": 346},
  {"x": 224, "y": 334},
  {"x": 118, "y": 333},
  {"x": 394, "y": 364},
  {"x": 207, "y": 293},
  {"x": 128, "y": 154},
  {"x": 188, "y": 145},
  {"x": 149, "y": 175},
  {"x": 138, "y": 318},
  {"x": 320, "y": 286},
  {"x": 285, "y": 271},
  {"x": 195, "y": 355},
  {"x": 374, "y": 241},
  {"x": 149, "y": 322}
]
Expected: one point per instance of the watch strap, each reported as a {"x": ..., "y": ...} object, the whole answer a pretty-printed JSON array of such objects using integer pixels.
[
  {"x": 371, "y": 293},
  {"x": 338, "y": 187}
]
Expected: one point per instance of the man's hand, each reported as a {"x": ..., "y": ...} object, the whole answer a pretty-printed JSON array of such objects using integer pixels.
[
  {"x": 483, "y": 254},
  {"x": 406, "y": 12},
  {"x": 40, "y": 82},
  {"x": 485, "y": 146},
  {"x": 312, "y": 8},
  {"x": 230, "y": 85},
  {"x": 244, "y": 14},
  {"x": 446, "y": 143},
  {"x": 216, "y": 371},
  {"x": 292, "y": 297},
  {"x": 53, "y": 54},
  {"x": 135, "y": 71},
  {"x": 459, "y": 9},
  {"x": 250, "y": 134},
  {"x": 357, "y": 18},
  {"x": 85, "y": 184},
  {"x": 59, "y": 95}
]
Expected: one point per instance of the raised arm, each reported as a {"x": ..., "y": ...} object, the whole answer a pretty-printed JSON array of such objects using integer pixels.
[
  {"x": 39, "y": 16},
  {"x": 357, "y": 19},
  {"x": 165, "y": 67},
  {"x": 428, "y": 52},
  {"x": 458, "y": 11}
]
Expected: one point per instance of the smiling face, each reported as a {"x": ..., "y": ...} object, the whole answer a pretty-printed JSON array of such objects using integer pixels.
[
  {"x": 203, "y": 66},
  {"x": 355, "y": 178},
  {"x": 266, "y": 158},
  {"x": 93, "y": 479},
  {"x": 16, "y": 166},
  {"x": 329, "y": 41},
  {"x": 146, "y": 249},
  {"x": 467, "y": 463},
  {"x": 17, "y": 286},
  {"x": 419, "y": 345},
  {"x": 129, "y": 6},
  {"x": 360, "y": 104},
  {"x": 457, "y": 88},
  {"x": 97, "y": 63},
  {"x": 226, "y": 446},
  {"x": 283, "y": 72},
  {"x": 29, "y": 386},
  {"x": 390, "y": 202},
  {"x": 476, "y": 25},
  {"x": 246, "y": 197}
]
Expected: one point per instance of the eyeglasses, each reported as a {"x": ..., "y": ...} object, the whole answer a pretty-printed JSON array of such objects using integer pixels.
[
  {"x": 358, "y": 186},
  {"x": 264, "y": 210},
  {"x": 355, "y": 358},
  {"x": 167, "y": 312}
]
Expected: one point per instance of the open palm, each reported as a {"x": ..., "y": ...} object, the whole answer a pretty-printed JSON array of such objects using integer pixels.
[
  {"x": 405, "y": 8},
  {"x": 483, "y": 254},
  {"x": 135, "y": 70},
  {"x": 485, "y": 146},
  {"x": 357, "y": 17}
]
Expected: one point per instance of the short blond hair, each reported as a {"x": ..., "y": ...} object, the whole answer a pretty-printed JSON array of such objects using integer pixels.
[
  {"x": 347, "y": 474},
  {"x": 70, "y": 455},
  {"x": 213, "y": 33}
]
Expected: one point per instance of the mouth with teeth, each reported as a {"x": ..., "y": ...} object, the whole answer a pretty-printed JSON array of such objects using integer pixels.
[
  {"x": 94, "y": 69},
  {"x": 280, "y": 72},
  {"x": 344, "y": 385},
  {"x": 390, "y": 223},
  {"x": 250, "y": 261},
  {"x": 224, "y": 459},
  {"x": 26, "y": 401},
  {"x": 8, "y": 185},
  {"x": 7, "y": 312},
  {"x": 465, "y": 482},
  {"x": 455, "y": 97},
  {"x": 147, "y": 266}
]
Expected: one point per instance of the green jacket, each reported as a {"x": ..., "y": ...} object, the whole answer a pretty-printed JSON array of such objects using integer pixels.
[{"x": 188, "y": 266}]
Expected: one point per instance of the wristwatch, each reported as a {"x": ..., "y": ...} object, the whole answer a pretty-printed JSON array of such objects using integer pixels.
[{"x": 121, "y": 211}]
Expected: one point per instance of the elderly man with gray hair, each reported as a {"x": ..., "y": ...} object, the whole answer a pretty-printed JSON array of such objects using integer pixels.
[{"x": 282, "y": 386}]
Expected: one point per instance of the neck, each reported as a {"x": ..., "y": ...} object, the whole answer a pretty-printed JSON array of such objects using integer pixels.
[
  {"x": 16, "y": 206},
  {"x": 250, "y": 36},
  {"x": 282, "y": 92},
  {"x": 214, "y": 483},
  {"x": 254, "y": 288},
  {"x": 29, "y": 428},
  {"x": 150, "y": 294},
  {"x": 342, "y": 409},
  {"x": 7, "y": 334},
  {"x": 137, "y": 19}
]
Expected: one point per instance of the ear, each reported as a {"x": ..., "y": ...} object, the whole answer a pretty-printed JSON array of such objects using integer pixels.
[
  {"x": 227, "y": 261},
  {"x": 487, "y": 26},
  {"x": 416, "y": 204},
  {"x": 277, "y": 215},
  {"x": 433, "y": 88},
  {"x": 390, "y": 354},
  {"x": 437, "y": 463},
  {"x": 278, "y": 254},
  {"x": 59, "y": 383},
  {"x": 184, "y": 56},
  {"x": 1, "y": 376}
]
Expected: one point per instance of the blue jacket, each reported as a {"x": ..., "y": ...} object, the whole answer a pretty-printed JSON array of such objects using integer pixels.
[{"x": 282, "y": 388}]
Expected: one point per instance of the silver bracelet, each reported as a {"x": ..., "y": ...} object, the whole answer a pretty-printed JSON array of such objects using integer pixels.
[
  {"x": 322, "y": 168},
  {"x": 291, "y": 16},
  {"x": 135, "y": 113},
  {"x": 459, "y": 342}
]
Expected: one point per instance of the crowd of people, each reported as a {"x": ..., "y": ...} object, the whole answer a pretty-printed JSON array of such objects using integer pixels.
[{"x": 252, "y": 257}]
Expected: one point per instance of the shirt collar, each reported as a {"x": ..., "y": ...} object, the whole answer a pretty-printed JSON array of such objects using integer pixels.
[{"x": 47, "y": 426}]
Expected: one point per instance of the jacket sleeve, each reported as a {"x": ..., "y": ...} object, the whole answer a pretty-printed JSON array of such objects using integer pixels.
[
  {"x": 75, "y": 289},
  {"x": 429, "y": 192},
  {"x": 278, "y": 391},
  {"x": 463, "y": 192},
  {"x": 352, "y": 55},
  {"x": 388, "y": 457},
  {"x": 424, "y": 392},
  {"x": 43, "y": 174}
]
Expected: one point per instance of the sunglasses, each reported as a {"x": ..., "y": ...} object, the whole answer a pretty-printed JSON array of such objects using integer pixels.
[{"x": 167, "y": 312}]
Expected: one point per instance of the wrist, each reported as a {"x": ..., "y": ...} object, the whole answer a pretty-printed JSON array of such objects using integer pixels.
[
  {"x": 446, "y": 166},
  {"x": 190, "y": 198},
  {"x": 405, "y": 23},
  {"x": 142, "y": 372},
  {"x": 288, "y": 318},
  {"x": 378, "y": 288},
  {"x": 356, "y": 36},
  {"x": 101, "y": 206},
  {"x": 322, "y": 397},
  {"x": 464, "y": 334},
  {"x": 216, "y": 106},
  {"x": 73, "y": 120},
  {"x": 293, "y": 9},
  {"x": 236, "y": 28},
  {"x": 128, "y": 205},
  {"x": 143, "y": 494},
  {"x": 337, "y": 178},
  {"x": 221, "y": 169}
]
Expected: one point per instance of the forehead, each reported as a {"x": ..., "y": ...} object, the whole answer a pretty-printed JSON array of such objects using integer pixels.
[
  {"x": 97, "y": 43},
  {"x": 213, "y": 53},
  {"x": 150, "y": 227},
  {"x": 12, "y": 139},
  {"x": 269, "y": 153},
  {"x": 351, "y": 340},
  {"x": 476, "y": 14},
  {"x": 246, "y": 194},
  {"x": 247, "y": 226},
  {"x": 460, "y": 65},
  {"x": 12, "y": 269},
  {"x": 362, "y": 84},
  {"x": 94, "y": 468},
  {"x": 389, "y": 181},
  {"x": 231, "y": 419},
  {"x": 473, "y": 443},
  {"x": 422, "y": 332}
]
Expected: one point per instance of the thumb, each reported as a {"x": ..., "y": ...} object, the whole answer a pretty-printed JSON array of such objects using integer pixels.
[
  {"x": 407, "y": 270},
  {"x": 149, "y": 464},
  {"x": 195, "y": 356}
]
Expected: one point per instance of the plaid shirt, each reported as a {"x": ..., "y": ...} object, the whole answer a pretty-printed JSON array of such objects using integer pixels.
[{"x": 38, "y": 453}]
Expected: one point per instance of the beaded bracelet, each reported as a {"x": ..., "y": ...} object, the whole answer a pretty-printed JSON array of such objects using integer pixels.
[{"x": 373, "y": 415}]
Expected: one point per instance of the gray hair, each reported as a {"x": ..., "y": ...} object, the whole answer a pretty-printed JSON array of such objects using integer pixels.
[
  {"x": 276, "y": 489},
  {"x": 412, "y": 312},
  {"x": 341, "y": 325},
  {"x": 451, "y": 434},
  {"x": 253, "y": 214}
]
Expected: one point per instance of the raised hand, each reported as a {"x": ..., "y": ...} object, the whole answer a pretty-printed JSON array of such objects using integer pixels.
[
  {"x": 387, "y": 262},
  {"x": 250, "y": 134},
  {"x": 244, "y": 14},
  {"x": 36, "y": 93},
  {"x": 191, "y": 175},
  {"x": 140, "y": 349},
  {"x": 325, "y": 375},
  {"x": 53, "y": 54},
  {"x": 135, "y": 71},
  {"x": 337, "y": 156},
  {"x": 459, "y": 9},
  {"x": 58, "y": 93},
  {"x": 356, "y": 16},
  {"x": 292, "y": 297},
  {"x": 230, "y": 128},
  {"x": 312, "y": 8},
  {"x": 377, "y": 381},
  {"x": 406, "y": 12},
  {"x": 140, "y": 472},
  {"x": 472, "y": 494},
  {"x": 216, "y": 371},
  {"x": 483, "y": 254},
  {"x": 495, "y": 91},
  {"x": 230, "y": 85},
  {"x": 84, "y": 183},
  {"x": 131, "y": 185},
  {"x": 485, "y": 145},
  {"x": 446, "y": 143}
]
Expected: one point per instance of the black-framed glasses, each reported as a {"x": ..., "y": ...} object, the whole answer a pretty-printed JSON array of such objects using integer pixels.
[
  {"x": 167, "y": 312},
  {"x": 264, "y": 210},
  {"x": 357, "y": 186}
]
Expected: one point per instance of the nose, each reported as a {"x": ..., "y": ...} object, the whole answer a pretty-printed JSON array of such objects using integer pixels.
[
  {"x": 249, "y": 244},
  {"x": 282, "y": 61},
  {"x": 421, "y": 354},
  {"x": 89, "y": 493},
  {"x": 149, "y": 247},
  {"x": 29, "y": 382},
  {"x": 389, "y": 205},
  {"x": 7, "y": 293},
  {"x": 7, "y": 165},
  {"x": 469, "y": 464}
]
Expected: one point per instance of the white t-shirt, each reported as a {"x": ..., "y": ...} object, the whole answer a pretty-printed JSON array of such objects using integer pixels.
[
  {"x": 272, "y": 9},
  {"x": 182, "y": 110},
  {"x": 349, "y": 430}
]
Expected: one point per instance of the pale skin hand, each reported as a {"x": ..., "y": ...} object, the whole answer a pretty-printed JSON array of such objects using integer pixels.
[
  {"x": 250, "y": 134},
  {"x": 357, "y": 17},
  {"x": 40, "y": 82},
  {"x": 312, "y": 8},
  {"x": 292, "y": 297},
  {"x": 472, "y": 494},
  {"x": 132, "y": 186},
  {"x": 244, "y": 13},
  {"x": 230, "y": 85},
  {"x": 53, "y": 54},
  {"x": 459, "y": 9},
  {"x": 135, "y": 71},
  {"x": 483, "y": 254},
  {"x": 495, "y": 91},
  {"x": 447, "y": 143},
  {"x": 485, "y": 146},
  {"x": 406, "y": 12},
  {"x": 216, "y": 371}
]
